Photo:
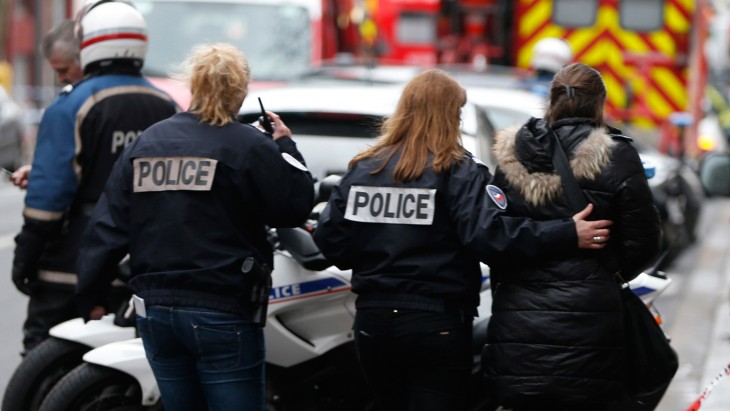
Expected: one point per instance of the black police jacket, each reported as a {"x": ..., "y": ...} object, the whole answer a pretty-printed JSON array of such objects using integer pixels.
[
  {"x": 418, "y": 244},
  {"x": 190, "y": 202},
  {"x": 555, "y": 334}
]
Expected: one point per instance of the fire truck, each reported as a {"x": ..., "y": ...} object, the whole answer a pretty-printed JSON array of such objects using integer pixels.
[{"x": 650, "y": 52}]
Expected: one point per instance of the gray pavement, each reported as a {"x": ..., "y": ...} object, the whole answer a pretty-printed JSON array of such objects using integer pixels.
[{"x": 700, "y": 329}]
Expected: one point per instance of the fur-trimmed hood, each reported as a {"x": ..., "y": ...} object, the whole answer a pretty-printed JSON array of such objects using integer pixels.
[{"x": 524, "y": 155}]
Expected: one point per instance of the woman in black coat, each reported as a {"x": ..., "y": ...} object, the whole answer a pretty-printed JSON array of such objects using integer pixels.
[{"x": 555, "y": 335}]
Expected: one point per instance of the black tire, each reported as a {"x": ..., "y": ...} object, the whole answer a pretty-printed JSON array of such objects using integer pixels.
[
  {"x": 39, "y": 371},
  {"x": 91, "y": 387}
]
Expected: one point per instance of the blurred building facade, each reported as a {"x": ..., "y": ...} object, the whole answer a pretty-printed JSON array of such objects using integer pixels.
[{"x": 22, "y": 26}]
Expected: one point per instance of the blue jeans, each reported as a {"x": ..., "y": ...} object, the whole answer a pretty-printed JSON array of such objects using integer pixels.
[{"x": 204, "y": 359}]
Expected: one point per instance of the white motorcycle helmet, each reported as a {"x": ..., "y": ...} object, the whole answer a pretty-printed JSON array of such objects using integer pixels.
[
  {"x": 110, "y": 31},
  {"x": 550, "y": 55}
]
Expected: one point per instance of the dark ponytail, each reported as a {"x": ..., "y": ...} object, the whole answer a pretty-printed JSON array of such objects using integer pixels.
[{"x": 577, "y": 90}]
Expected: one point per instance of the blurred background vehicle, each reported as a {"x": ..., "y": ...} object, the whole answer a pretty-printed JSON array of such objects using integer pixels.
[
  {"x": 714, "y": 140},
  {"x": 678, "y": 195},
  {"x": 282, "y": 39},
  {"x": 11, "y": 132}
]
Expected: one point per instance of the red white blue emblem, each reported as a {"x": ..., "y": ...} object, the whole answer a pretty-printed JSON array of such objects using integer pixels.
[{"x": 497, "y": 195}]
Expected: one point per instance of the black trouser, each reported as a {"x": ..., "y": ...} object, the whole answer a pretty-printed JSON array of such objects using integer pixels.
[
  {"x": 50, "y": 305},
  {"x": 415, "y": 360},
  {"x": 47, "y": 306}
]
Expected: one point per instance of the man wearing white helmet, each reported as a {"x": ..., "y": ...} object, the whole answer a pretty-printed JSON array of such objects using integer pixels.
[
  {"x": 80, "y": 136},
  {"x": 549, "y": 55}
]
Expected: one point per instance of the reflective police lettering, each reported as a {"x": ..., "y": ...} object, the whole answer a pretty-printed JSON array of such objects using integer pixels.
[
  {"x": 121, "y": 139},
  {"x": 391, "y": 205},
  {"x": 290, "y": 290},
  {"x": 173, "y": 173}
]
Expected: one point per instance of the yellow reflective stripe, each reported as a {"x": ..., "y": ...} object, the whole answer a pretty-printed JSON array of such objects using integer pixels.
[
  {"x": 664, "y": 43},
  {"x": 580, "y": 40},
  {"x": 631, "y": 42},
  {"x": 687, "y": 4},
  {"x": 673, "y": 87},
  {"x": 614, "y": 91},
  {"x": 678, "y": 15},
  {"x": 676, "y": 20},
  {"x": 42, "y": 215},
  {"x": 607, "y": 18},
  {"x": 530, "y": 21},
  {"x": 658, "y": 104},
  {"x": 534, "y": 18}
]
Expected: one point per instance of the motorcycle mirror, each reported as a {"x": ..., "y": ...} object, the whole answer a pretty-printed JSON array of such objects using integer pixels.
[
  {"x": 715, "y": 174},
  {"x": 326, "y": 186}
]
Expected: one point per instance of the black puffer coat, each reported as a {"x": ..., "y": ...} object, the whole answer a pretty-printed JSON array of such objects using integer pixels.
[{"x": 555, "y": 334}]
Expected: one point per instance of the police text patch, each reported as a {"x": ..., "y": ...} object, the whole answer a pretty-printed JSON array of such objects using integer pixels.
[
  {"x": 173, "y": 173},
  {"x": 391, "y": 205}
]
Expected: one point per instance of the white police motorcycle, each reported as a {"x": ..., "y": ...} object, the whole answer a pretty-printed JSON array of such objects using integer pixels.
[
  {"x": 62, "y": 351},
  {"x": 311, "y": 362}
]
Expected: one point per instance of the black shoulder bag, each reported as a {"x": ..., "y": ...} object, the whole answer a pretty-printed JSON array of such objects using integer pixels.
[{"x": 651, "y": 362}]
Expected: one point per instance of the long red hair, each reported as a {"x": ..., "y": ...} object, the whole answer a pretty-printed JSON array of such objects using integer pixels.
[{"x": 425, "y": 127}]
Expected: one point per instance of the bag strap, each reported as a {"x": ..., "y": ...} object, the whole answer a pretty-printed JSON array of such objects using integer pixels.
[{"x": 576, "y": 198}]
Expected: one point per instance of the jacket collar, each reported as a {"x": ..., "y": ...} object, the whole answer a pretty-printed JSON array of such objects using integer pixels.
[{"x": 524, "y": 155}]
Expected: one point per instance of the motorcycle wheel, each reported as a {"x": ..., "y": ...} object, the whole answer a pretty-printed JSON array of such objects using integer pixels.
[
  {"x": 39, "y": 371},
  {"x": 90, "y": 387}
]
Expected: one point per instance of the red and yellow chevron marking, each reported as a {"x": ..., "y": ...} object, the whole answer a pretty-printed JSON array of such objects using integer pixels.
[{"x": 652, "y": 64}]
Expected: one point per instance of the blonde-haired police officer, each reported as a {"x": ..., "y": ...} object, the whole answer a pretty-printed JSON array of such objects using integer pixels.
[{"x": 190, "y": 200}]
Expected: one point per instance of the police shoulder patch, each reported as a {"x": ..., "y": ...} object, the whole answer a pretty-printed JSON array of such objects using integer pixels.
[
  {"x": 497, "y": 195},
  {"x": 293, "y": 161}
]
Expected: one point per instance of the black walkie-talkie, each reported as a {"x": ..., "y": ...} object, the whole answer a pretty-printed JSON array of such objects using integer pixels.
[{"x": 264, "y": 119}]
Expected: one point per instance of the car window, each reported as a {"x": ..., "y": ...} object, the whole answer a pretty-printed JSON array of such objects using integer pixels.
[
  {"x": 575, "y": 13},
  {"x": 328, "y": 140}
]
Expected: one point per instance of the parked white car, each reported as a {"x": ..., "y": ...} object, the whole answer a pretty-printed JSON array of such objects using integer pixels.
[{"x": 331, "y": 122}]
